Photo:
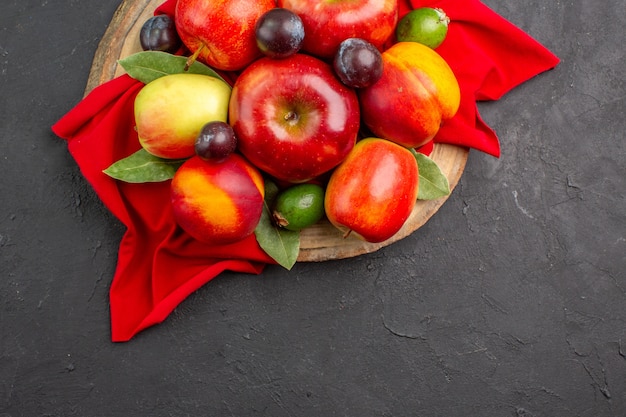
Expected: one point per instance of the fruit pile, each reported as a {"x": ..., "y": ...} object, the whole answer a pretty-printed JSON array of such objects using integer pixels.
[{"x": 328, "y": 105}]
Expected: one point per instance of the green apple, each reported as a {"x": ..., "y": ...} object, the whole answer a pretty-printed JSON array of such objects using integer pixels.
[{"x": 171, "y": 110}]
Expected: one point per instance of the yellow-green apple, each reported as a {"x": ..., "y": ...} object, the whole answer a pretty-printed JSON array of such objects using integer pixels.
[
  {"x": 217, "y": 202},
  {"x": 171, "y": 110},
  {"x": 416, "y": 94},
  {"x": 292, "y": 117},
  {"x": 328, "y": 22},
  {"x": 221, "y": 32},
  {"x": 373, "y": 191}
]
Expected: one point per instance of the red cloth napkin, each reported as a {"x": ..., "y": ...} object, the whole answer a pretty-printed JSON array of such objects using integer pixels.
[{"x": 158, "y": 264}]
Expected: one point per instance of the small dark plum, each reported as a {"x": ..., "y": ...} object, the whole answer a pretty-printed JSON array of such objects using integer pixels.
[
  {"x": 358, "y": 63},
  {"x": 279, "y": 33},
  {"x": 216, "y": 141},
  {"x": 158, "y": 33}
]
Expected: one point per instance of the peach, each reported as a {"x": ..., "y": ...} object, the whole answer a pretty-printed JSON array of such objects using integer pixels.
[
  {"x": 372, "y": 192},
  {"x": 416, "y": 94},
  {"x": 217, "y": 202}
]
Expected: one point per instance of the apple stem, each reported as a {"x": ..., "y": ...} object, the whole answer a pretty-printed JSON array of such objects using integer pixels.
[
  {"x": 346, "y": 234},
  {"x": 193, "y": 57}
]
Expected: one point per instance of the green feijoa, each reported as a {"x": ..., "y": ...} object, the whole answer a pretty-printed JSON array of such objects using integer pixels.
[
  {"x": 425, "y": 25},
  {"x": 299, "y": 206}
]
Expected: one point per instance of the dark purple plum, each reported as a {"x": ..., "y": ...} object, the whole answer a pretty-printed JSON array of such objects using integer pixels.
[
  {"x": 158, "y": 33},
  {"x": 358, "y": 63},
  {"x": 279, "y": 33},
  {"x": 215, "y": 141}
]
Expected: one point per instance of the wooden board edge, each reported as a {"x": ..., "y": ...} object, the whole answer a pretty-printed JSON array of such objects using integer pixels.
[{"x": 104, "y": 64}]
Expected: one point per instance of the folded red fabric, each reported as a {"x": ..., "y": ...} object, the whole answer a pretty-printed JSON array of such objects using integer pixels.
[{"x": 158, "y": 264}]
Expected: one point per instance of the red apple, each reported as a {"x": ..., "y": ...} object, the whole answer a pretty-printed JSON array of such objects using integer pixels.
[
  {"x": 217, "y": 202},
  {"x": 221, "y": 31},
  {"x": 328, "y": 22},
  {"x": 372, "y": 193},
  {"x": 292, "y": 117}
]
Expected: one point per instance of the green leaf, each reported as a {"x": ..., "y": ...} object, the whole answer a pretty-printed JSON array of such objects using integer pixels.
[
  {"x": 147, "y": 66},
  {"x": 142, "y": 166},
  {"x": 432, "y": 182},
  {"x": 280, "y": 244}
]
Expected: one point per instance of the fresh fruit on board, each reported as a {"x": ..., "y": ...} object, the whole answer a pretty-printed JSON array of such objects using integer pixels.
[
  {"x": 325, "y": 111},
  {"x": 358, "y": 63},
  {"x": 171, "y": 110},
  {"x": 426, "y": 25},
  {"x": 328, "y": 23},
  {"x": 279, "y": 33},
  {"x": 220, "y": 33},
  {"x": 416, "y": 94},
  {"x": 292, "y": 117},
  {"x": 217, "y": 202},
  {"x": 299, "y": 206},
  {"x": 158, "y": 33},
  {"x": 373, "y": 191}
]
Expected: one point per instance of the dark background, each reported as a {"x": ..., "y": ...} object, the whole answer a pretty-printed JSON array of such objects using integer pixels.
[{"x": 510, "y": 301}]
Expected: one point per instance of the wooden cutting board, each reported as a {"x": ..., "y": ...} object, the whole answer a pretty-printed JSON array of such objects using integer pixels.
[{"x": 320, "y": 242}]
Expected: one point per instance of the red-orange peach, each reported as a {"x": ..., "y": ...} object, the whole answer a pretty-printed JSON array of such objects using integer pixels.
[
  {"x": 217, "y": 202},
  {"x": 416, "y": 94},
  {"x": 373, "y": 191}
]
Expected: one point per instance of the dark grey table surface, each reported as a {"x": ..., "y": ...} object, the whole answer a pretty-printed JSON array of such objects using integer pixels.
[{"x": 510, "y": 301}]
